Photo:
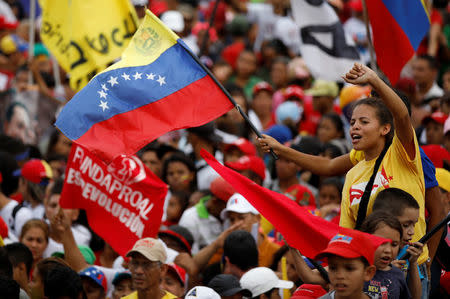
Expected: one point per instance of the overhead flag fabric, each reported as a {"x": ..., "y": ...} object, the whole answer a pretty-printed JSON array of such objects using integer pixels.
[
  {"x": 327, "y": 50},
  {"x": 157, "y": 87},
  {"x": 86, "y": 36},
  {"x": 301, "y": 229},
  {"x": 398, "y": 29},
  {"x": 123, "y": 201}
]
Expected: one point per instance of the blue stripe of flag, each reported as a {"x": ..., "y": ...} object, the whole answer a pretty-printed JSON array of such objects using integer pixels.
[
  {"x": 177, "y": 67},
  {"x": 411, "y": 17}
]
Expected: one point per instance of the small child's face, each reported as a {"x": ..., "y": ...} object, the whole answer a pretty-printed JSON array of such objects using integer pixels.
[
  {"x": 174, "y": 209},
  {"x": 347, "y": 276},
  {"x": 386, "y": 252},
  {"x": 329, "y": 194},
  {"x": 408, "y": 220},
  {"x": 172, "y": 284},
  {"x": 123, "y": 288}
]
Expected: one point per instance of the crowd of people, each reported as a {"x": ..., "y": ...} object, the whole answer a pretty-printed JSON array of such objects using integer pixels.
[{"x": 361, "y": 153}]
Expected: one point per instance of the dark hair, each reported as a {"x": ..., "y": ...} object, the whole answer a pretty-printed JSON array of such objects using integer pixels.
[
  {"x": 19, "y": 253},
  {"x": 9, "y": 288},
  {"x": 183, "y": 198},
  {"x": 332, "y": 181},
  {"x": 337, "y": 122},
  {"x": 378, "y": 218},
  {"x": 432, "y": 62},
  {"x": 395, "y": 201},
  {"x": 182, "y": 158},
  {"x": 57, "y": 187},
  {"x": 240, "y": 248},
  {"x": 62, "y": 281},
  {"x": 6, "y": 269},
  {"x": 383, "y": 114},
  {"x": 54, "y": 136},
  {"x": 12, "y": 145},
  {"x": 10, "y": 110},
  {"x": 9, "y": 182},
  {"x": 151, "y": 147}
]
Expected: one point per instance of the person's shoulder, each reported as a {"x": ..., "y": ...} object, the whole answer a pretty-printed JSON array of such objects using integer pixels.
[
  {"x": 169, "y": 295},
  {"x": 133, "y": 295}
]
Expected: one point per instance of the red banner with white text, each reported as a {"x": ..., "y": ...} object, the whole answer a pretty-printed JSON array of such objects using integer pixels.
[{"x": 123, "y": 200}]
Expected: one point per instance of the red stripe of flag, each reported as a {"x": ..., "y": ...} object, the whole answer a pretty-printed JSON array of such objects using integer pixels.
[
  {"x": 194, "y": 105},
  {"x": 392, "y": 46}
]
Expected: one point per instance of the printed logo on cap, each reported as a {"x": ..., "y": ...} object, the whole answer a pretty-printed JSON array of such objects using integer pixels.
[
  {"x": 193, "y": 293},
  {"x": 341, "y": 238},
  {"x": 145, "y": 242}
]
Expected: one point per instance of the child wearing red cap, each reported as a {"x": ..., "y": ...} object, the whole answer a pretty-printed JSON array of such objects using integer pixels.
[{"x": 350, "y": 262}]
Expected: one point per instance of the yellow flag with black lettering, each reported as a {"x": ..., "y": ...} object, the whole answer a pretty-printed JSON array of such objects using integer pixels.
[{"x": 86, "y": 36}]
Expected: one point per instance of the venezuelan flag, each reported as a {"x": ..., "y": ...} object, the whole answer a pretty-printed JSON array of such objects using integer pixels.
[
  {"x": 398, "y": 27},
  {"x": 155, "y": 88}
]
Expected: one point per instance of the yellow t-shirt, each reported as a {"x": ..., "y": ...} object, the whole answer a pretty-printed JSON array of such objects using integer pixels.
[
  {"x": 134, "y": 295},
  {"x": 397, "y": 170}
]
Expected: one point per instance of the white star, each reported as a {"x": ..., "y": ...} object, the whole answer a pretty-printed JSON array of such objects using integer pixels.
[
  {"x": 113, "y": 81},
  {"x": 102, "y": 93},
  {"x": 125, "y": 76},
  {"x": 104, "y": 87},
  {"x": 151, "y": 76},
  {"x": 137, "y": 76},
  {"x": 161, "y": 80},
  {"x": 103, "y": 105}
]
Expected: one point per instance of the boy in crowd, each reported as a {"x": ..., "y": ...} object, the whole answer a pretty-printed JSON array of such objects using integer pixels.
[{"x": 351, "y": 263}]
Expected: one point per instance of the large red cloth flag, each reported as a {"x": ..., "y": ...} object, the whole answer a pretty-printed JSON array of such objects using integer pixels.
[
  {"x": 123, "y": 200},
  {"x": 155, "y": 88},
  {"x": 302, "y": 230}
]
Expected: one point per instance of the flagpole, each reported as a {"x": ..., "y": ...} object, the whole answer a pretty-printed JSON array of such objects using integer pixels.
[
  {"x": 210, "y": 25},
  {"x": 31, "y": 35},
  {"x": 373, "y": 63},
  {"x": 228, "y": 95}
]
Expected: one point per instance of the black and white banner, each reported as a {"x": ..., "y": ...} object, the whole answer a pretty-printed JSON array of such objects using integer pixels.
[{"x": 328, "y": 52}]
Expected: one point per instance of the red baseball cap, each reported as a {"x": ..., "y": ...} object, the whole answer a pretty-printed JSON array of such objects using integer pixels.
[
  {"x": 351, "y": 244},
  {"x": 263, "y": 85},
  {"x": 356, "y": 5},
  {"x": 437, "y": 154},
  {"x": 301, "y": 195},
  {"x": 179, "y": 272},
  {"x": 438, "y": 117},
  {"x": 244, "y": 145},
  {"x": 253, "y": 163},
  {"x": 36, "y": 171},
  {"x": 221, "y": 189},
  {"x": 293, "y": 91},
  {"x": 308, "y": 291}
]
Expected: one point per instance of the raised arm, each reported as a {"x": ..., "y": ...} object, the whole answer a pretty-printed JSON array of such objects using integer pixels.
[
  {"x": 361, "y": 74},
  {"x": 316, "y": 164}
]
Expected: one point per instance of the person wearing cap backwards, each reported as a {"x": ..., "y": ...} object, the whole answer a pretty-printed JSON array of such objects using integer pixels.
[
  {"x": 203, "y": 220},
  {"x": 174, "y": 280},
  {"x": 263, "y": 283},
  {"x": 34, "y": 178},
  {"x": 147, "y": 267},
  {"x": 14, "y": 215},
  {"x": 239, "y": 209},
  {"x": 261, "y": 113},
  {"x": 94, "y": 283},
  {"x": 252, "y": 167},
  {"x": 434, "y": 128},
  {"x": 204, "y": 137}
]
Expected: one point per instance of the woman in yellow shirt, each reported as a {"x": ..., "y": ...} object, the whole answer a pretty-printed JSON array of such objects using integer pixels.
[{"x": 371, "y": 128}]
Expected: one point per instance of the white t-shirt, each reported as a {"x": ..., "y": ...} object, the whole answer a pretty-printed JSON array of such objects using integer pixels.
[
  {"x": 262, "y": 14},
  {"x": 23, "y": 215},
  {"x": 204, "y": 230}
]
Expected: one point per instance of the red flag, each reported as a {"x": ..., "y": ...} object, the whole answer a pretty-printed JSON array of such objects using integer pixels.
[
  {"x": 123, "y": 200},
  {"x": 302, "y": 230}
]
